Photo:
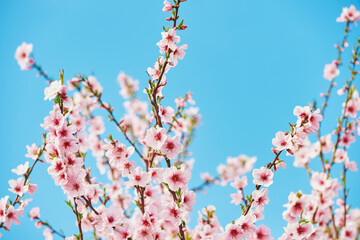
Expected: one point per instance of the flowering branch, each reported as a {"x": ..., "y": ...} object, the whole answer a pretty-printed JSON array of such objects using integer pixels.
[
  {"x": 350, "y": 91},
  {"x": 53, "y": 230},
  {"x": 78, "y": 219},
  {"x": 26, "y": 182},
  {"x": 41, "y": 72},
  {"x": 161, "y": 193}
]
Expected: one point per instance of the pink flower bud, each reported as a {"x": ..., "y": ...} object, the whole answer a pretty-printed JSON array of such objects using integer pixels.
[
  {"x": 273, "y": 150},
  {"x": 38, "y": 224},
  {"x": 183, "y": 27},
  {"x": 340, "y": 202},
  {"x": 167, "y": 6},
  {"x": 328, "y": 167},
  {"x": 341, "y": 91}
]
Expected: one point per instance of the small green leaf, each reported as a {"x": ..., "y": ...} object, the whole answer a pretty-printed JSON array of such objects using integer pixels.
[
  {"x": 70, "y": 205},
  {"x": 57, "y": 100}
]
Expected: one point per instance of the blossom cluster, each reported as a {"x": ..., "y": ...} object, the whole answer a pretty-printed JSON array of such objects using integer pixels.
[{"x": 148, "y": 162}]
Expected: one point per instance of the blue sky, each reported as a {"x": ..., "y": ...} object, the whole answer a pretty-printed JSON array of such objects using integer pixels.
[{"x": 249, "y": 63}]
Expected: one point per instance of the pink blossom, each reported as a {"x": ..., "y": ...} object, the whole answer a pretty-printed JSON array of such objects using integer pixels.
[
  {"x": 167, "y": 6},
  {"x": 247, "y": 224},
  {"x": 349, "y": 232},
  {"x": 299, "y": 230},
  {"x": 326, "y": 143},
  {"x": 3, "y": 203},
  {"x": 233, "y": 232},
  {"x": 68, "y": 145},
  {"x": 65, "y": 131},
  {"x": 21, "y": 169},
  {"x": 128, "y": 85},
  {"x": 70, "y": 238},
  {"x": 282, "y": 141},
  {"x": 32, "y": 189},
  {"x": 180, "y": 102},
  {"x": 173, "y": 213},
  {"x": 53, "y": 121},
  {"x": 56, "y": 169},
  {"x": 279, "y": 164},
  {"x": 178, "y": 53},
  {"x": 349, "y": 15},
  {"x": 341, "y": 91},
  {"x": 331, "y": 71},
  {"x": 33, "y": 151},
  {"x": 11, "y": 216},
  {"x": 52, "y": 91},
  {"x": 18, "y": 187},
  {"x": 308, "y": 119},
  {"x": 136, "y": 106},
  {"x": 236, "y": 197},
  {"x": 263, "y": 176},
  {"x": 74, "y": 186},
  {"x": 172, "y": 147},
  {"x": 258, "y": 212},
  {"x": 262, "y": 233},
  {"x": 302, "y": 157},
  {"x": 302, "y": 112},
  {"x": 315, "y": 120},
  {"x": 48, "y": 234},
  {"x": 352, "y": 107},
  {"x": 139, "y": 177},
  {"x": 319, "y": 181},
  {"x": 83, "y": 141},
  {"x": 297, "y": 206},
  {"x": 340, "y": 155},
  {"x": 176, "y": 178},
  {"x": 117, "y": 153},
  {"x": 111, "y": 217},
  {"x": 122, "y": 233},
  {"x": 346, "y": 139},
  {"x": 167, "y": 114},
  {"x": 34, "y": 213},
  {"x": 351, "y": 165},
  {"x": 155, "y": 138},
  {"x": 260, "y": 197},
  {"x": 157, "y": 65},
  {"x": 239, "y": 183},
  {"x": 127, "y": 168},
  {"x": 235, "y": 167},
  {"x": 170, "y": 38},
  {"x": 157, "y": 174},
  {"x": 22, "y": 55},
  {"x": 189, "y": 200},
  {"x": 94, "y": 84}
]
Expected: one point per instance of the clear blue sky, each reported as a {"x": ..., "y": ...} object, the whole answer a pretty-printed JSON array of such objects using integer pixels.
[{"x": 249, "y": 63}]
